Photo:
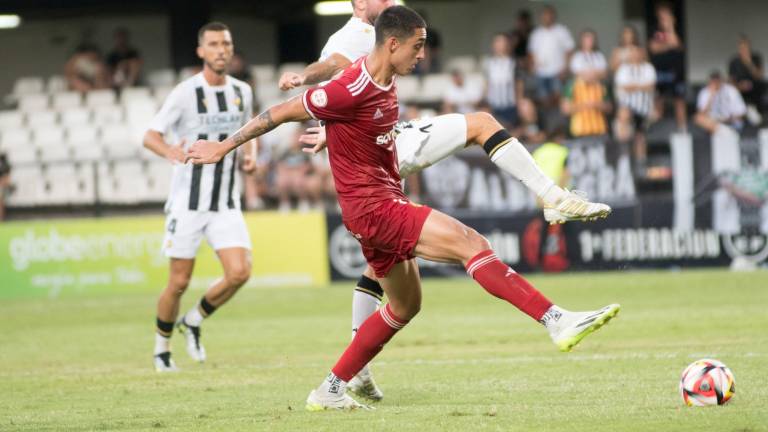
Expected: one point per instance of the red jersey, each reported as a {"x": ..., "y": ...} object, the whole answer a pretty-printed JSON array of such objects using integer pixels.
[{"x": 360, "y": 116}]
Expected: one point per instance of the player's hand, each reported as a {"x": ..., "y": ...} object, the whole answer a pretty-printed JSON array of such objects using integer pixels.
[
  {"x": 290, "y": 80},
  {"x": 204, "y": 152},
  {"x": 249, "y": 164},
  {"x": 314, "y": 137},
  {"x": 176, "y": 153}
]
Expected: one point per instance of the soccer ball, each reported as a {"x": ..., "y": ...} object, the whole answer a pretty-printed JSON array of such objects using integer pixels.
[{"x": 707, "y": 382}]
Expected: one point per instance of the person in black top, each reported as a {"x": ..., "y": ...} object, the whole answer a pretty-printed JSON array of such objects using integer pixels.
[
  {"x": 124, "y": 61},
  {"x": 746, "y": 72},
  {"x": 5, "y": 182},
  {"x": 668, "y": 58}
]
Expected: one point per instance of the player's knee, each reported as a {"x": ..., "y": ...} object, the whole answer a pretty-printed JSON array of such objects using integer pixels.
[
  {"x": 481, "y": 124},
  {"x": 178, "y": 283},
  {"x": 238, "y": 275},
  {"x": 406, "y": 310},
  {"x": 476, "y": 243}
]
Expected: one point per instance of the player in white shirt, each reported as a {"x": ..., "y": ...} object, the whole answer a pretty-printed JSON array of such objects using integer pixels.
[
  {"x": 204, "y": 200},
  {"x": 424, "y": 142}
]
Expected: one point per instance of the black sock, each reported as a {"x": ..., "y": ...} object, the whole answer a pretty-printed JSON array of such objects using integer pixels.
[
  {"x": 369, "y": 286},
  {"x": 496, "y": 141},
  {"x": 206, "y": 308},
  {"x": 164, "y": 328}
]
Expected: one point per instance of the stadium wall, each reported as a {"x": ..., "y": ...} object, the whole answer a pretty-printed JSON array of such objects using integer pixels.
[{"x": 124, "y": 254}]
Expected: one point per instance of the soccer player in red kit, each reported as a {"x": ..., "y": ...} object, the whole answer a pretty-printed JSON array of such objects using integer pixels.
[{"x": 360, "y": 109}]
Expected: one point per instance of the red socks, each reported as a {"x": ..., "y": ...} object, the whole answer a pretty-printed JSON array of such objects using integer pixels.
[
  {"x": 376, "y": 331},
  {"x": 502, "y": 282}
]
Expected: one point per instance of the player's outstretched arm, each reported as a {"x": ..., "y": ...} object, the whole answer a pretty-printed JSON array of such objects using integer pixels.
[
  {"x": 314, "y": 73},
  {"x": 154, "y": 141},
  {"x": 205, "y": 152}
]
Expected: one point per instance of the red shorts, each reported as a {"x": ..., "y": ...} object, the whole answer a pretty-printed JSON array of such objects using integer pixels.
[{"x": 389, "y": 234}]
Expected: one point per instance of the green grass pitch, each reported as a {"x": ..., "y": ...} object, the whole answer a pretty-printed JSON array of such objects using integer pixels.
[{"x": 468, "y": 362}]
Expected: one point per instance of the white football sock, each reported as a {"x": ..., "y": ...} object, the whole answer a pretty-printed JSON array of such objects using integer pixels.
[
  {"x": 515, "y": 159},
  {"x": 332, "y": 385},
  {"x": 552, "y": 317},
  {"x": 194, "y": 318},
  {"x": 162, "y": 344}
]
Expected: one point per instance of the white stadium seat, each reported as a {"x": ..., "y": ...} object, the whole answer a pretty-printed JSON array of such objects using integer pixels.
[
  {"x": 66, "y": 100},
  {"x": 75, "y": 117},
  {"x": 297, "y": 67},
  {"x": 41, "y": 118},
  {"x": 118, "y": 141},
  {"x": 107, "y": 114},
  {"x": 85, "y": 190},
  {"x": 408, "y": 88},
  {"x": 28, "y": 85},
  {"x": 131, "y": 94},
  {"x": 16, "y": 137},
  {"x": 100, "y": 98},
  {"x": 56, "y": 84},
  {"x": 57, "y": 153},
  {"x": 28, "y": 186},
  {"x": 22, "y": 155},
  {"x": 33, "y": 102},
  {"x": 161, "y": 93},
  {"x": 465, "y": 64},
  {"x": 159, "y": 180},
  {"x": 84, "y": 143},
  {"x": 11, "y": 119},
  {"x": 140, "y": 113},
  {"x": 61, "y": 183},
  {"x": 161, "y": 77},
  {"x": 433, "y": 87},
  {"x": 48, "y": 137},
  {"x": 186, "y": 72},
  {"x": 263, "y": 73}
]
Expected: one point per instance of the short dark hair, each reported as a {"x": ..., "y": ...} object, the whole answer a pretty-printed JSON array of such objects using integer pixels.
[
  {"x": 211, "y": 26},
  {"x": 397, "y": 21}
]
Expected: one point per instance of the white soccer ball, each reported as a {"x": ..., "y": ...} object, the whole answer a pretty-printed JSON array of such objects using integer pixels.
[{"x": 707, "y": 382}]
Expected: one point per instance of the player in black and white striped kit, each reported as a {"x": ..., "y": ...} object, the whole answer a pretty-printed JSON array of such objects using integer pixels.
[{"x": 204, "y": 200}]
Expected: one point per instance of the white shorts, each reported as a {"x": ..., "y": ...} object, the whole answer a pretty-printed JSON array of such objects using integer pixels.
[
  {"x": 184, "y": 229},
  {"x": 424, "y": 142}
]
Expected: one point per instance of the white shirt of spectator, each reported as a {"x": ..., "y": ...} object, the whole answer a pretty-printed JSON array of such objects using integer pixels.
[
  {"x": 628, "y": 74},
  {"x": 500, "y": 77},
  {"x": 582, "y": 61},
  {"x": 353, "y": 41},
  {"x": 549, "y": 46},
  {"x": 727, "y": 103},
  {"x": 463, "y": 98},
  {"x": 180, "y": 119}
]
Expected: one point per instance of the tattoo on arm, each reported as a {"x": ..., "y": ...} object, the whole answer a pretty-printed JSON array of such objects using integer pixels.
[{"x": 262, "y": 124}]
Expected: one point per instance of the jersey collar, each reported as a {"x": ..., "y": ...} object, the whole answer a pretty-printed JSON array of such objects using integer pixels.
[{"x": 370, "y": 78}]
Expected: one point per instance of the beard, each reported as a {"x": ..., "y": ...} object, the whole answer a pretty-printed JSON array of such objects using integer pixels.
[{"x": 219, "y": 70}]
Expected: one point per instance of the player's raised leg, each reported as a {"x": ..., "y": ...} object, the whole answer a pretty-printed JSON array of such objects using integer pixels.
[
  {"x": 445, "y": 239},
  {"x": 236, "y": 263},
  {"x": 168, "y": 309},
  {"x": 403, "y": 288},
  {"x": 427, "y": 141}
]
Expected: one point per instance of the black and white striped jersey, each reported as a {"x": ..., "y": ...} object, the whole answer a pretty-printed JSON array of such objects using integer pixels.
[
  {"x": 196, "y": 110},
  {"x": 630, "y": 74}
]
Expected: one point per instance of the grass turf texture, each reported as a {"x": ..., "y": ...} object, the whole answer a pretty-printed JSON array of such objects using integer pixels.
[{"x": 467, "y": 362}]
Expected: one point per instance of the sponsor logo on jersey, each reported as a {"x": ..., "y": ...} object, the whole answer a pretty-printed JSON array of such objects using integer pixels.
[
  {"x": 387, "y": 139},
  {"x": 319, "y": 98}
]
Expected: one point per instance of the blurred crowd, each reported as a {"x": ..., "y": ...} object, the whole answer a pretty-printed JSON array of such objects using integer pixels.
[{"x": 539, "y": 80}]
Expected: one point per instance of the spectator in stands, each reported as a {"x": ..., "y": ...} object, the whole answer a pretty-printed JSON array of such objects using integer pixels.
[
  {"x": 124, "y": 61},
  {"x": 587, "y": 103},
  {"x": 668, "y": 57},
  {"x": 460, "y": 96},
  {"x": 719, "y": 103},
  {"x": 85, "y": 70},
  {"x": 628, "y": 41},
  {"x": 635, "y": 81},
  {"x": 500, "y": 82},
  {"x": 530, "y": 129},
  {"x": 588, "y": 62},
  {"x": 550, "y": 47},
  {"x": 5, "y": 183},
  {"x": 519, "y": 37},
  {"x": 746, "y": 73},
  {"x": 294, "y": 177}
]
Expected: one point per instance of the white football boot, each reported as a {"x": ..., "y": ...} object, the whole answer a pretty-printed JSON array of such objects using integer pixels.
[
  {"x": 569, "y": 328},
  {"x": 364, "y": 386},
  {"x": 164, "y": 363},
  {"x": 575, "y": 207},
  {"x": 320, "y": 401},
  {"x": 192, "y": 335}
]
